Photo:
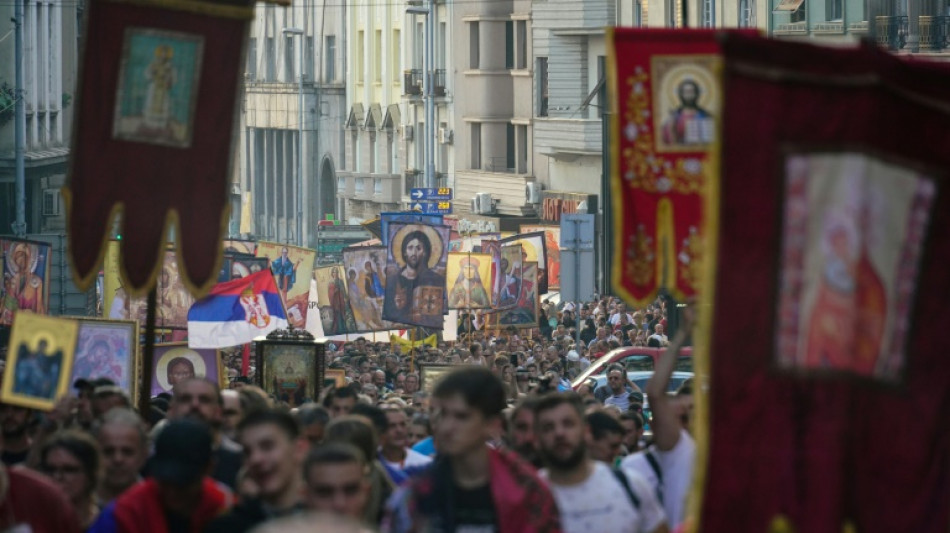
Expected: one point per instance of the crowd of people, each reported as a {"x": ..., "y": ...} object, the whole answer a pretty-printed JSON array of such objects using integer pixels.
[{"x": 501, "y": 443}]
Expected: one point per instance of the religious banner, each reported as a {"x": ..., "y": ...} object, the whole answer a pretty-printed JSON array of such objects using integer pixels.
[
  {"x": 525, "y": 312},
  {"x": 468, "y": 276},
  {"x": 172, "y": 302},
  {"x": 25, "y": 278},
  {"x": 39, "y": 361},
  {"x": 292, "y": 267},
  {"x": 407, "y": 217},
  {"x": 667, "y": 99},
  {"x": 495, "y": 280},
  {"x": 333, "y": 302},
  {"x": 533, "y": 248},
  {"x": 156, "y": 103},
  {"x": 415, "y": 274},
  {"x": 510, "y": 273},
  {"x": 552, "y": 249},
  {"x": 839, "y": 230},
  {"x": 366, "y": 282}
]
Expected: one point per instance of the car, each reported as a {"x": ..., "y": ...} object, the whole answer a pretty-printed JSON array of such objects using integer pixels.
[
  {"x": 640, "y": 378},
  {"x": 636, "y": 358}
]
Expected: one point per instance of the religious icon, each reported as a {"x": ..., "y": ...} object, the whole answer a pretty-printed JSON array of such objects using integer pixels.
[
  {"x": 686, "y": 101},
  {"x": 415, "y": 274},
  {"x": 552, "y": 249},
  {"x": 158, "y": 87},
  {"x": 107, "y": 349},
  {"x": 25, "y": 275},
  {"x": 292, "y": 267},
  {"x": 853, "y": 232},
  {"x": 290, "y": 372},
  {"x": 333, "y": 302},
  {"x": 366, "y": 280},
  {"x": 510, "y": 272},
  {"x": 176, "y": 362},
  {"x": 534, "y": 248},
  {"x": 40, "y": 360},
  {"x": 465, "y": 273}
]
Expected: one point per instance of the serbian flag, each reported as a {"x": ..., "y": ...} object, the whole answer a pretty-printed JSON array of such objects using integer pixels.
[{"x": 236, "y": 312}]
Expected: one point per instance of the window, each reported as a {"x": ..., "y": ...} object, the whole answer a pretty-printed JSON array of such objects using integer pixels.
[
  {"x": 521, "y": 45},
  {"x": 377, "y": 186},
  {"x": 330, "y": 53},
  {"x": 509, "y": 146},
  {"x": 289, "y": 75},
  {"x": 360, "y": 56},
  {"x": 309, "y": 52},
  {"x": 341, "y": 184},
  {"x": 442, "y": 48},
  {"x": 355, "y": 143},
  {"x": 419, "y": 46},
  {"x": 521, "y": 136},
  {"x": 270, "y": 59},
  {"x": 476, "y": 146},
  {"x": 373, "y": 160},
  {"x": 638, "y": 13},
  {"x": 395, "y": 64},
  {"x": 420, "y": 145},
  {"x": 360, "y": 185},
  {"x": 509, "y": 45},
  {"x": 835, "y": 9},
  {"x": 473, "y": 44},
  {"x": 709, "y": 14},
  {"x": 393, "y": 152},
  {"x": 378, "y": 57},
  {"x": 745, "y": 13},
  {"x": 602, "y": 82},
  {"x": 251, "y": 59},
  {"x": 542, "y": 74}
]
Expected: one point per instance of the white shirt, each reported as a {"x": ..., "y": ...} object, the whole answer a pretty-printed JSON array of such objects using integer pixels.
[
  {"x": 600, "y": 503},
  {"x": 413, "y": 459},
  {"x": 621, "y": 400},
  {"x": 677, "y": 468},
  {"x": 615, "y": 319}
]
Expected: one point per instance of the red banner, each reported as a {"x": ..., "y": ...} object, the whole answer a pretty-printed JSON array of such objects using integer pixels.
[
  {"x": 668, "y": 99},
  {"x": 828, "y": 397},
  {"x": 158, "y": 90}
]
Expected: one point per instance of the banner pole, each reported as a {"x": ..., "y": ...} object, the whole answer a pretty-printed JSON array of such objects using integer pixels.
[{"x": 148, "y": 355}]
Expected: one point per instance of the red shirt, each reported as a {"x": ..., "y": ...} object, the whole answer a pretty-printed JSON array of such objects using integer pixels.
[{"x": 33, "y": 499}]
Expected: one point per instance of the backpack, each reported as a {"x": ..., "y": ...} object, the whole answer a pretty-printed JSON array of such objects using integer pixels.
[{"x": 625, "y": 483}]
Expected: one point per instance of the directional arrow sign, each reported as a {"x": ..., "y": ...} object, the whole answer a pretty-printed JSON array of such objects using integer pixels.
[
  {"x": 441, "y": 194},
  {"x": 433, "y": 208}
]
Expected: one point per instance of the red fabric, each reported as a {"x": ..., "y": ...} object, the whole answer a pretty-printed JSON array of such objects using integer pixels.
[
  {"x": 139, "y": 511},
  {"x": 522, "y": 501},
  {"x": 148, "y": 179},
  {"x": 650, "y": 169},
  {"x": 823, "y": 450},
  {"x": 245, "y": 359},
  {"x": 35, "y": 500}
]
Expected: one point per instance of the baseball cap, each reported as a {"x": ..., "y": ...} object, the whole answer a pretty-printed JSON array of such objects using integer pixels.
[
  {"x": 92, "y": 383},
  {"x": 182, "y": 453},
  {"x": 573, "y": 356}
]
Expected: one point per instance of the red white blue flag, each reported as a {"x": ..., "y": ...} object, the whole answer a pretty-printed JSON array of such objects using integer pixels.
[{"x": 236, "y": 312}]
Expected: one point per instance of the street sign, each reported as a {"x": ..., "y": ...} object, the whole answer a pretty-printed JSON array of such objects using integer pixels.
[
  {"x": 577, "y": 232},
  {"x": 433, "y": 208},
  {"x": 440, "y": 194}
]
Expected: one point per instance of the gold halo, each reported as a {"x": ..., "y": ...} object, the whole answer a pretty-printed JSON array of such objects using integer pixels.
[
  {"x": 434, "y": 239},
  {"x": 161, "y": 369},
  {"x": 49, "y": 337}
]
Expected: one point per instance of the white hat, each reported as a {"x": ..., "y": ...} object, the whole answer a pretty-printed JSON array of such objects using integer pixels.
[{"x": 573, "y": 356}]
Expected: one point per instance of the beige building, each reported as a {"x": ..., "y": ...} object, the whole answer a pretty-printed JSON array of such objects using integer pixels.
[
  {"x": 370, "y": 180},
  {"x": 50, "y": 58}
]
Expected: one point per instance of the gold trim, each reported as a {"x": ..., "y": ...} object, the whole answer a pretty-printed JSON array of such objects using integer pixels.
[
  {"x": 195, "y": 6},
  {"x": 706, "y": 298}
]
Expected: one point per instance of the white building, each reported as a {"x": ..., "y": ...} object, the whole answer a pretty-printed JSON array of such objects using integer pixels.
[{"x": 268, "y": 181}]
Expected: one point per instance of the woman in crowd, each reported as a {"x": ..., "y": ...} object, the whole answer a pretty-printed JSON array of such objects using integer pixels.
[{"x": 71, "y": 459}]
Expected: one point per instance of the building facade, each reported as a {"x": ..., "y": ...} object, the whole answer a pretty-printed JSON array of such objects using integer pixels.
[
  {"x": 50, "y": 59},
  {"x": 269, "y": 190},
  {"x": 494, "y": 82},
  {"x": 370, "y": 180}
]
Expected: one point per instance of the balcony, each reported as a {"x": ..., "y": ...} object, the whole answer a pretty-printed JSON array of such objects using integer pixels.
[
  {"x": 412, "y": 82},
  {"x": 829, "y": 28},
  {"x": 892, "y": 31},
  {"x": 794, "y": 28},
  {"x": 498, "y": 164},
  {"x": 934, "y": 33}
]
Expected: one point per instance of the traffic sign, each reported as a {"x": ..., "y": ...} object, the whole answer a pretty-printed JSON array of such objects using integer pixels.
[
  {"x": 433, "y": 208},
  {"x": 440, "y": 194}
]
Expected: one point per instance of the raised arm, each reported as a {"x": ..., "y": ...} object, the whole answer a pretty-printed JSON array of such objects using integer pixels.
[{"x": 666, "y": 423}]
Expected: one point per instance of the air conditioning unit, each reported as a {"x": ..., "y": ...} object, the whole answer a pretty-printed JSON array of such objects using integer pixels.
[
  {"x": 445, "y": 136},
  {"x": 406, "y": 132},
  {"x": 482, "y": 204},
  {"x": 51, "y": 203},
  {"x": 532, "y": 192}
]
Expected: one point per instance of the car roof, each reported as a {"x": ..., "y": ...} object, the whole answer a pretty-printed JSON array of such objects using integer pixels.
[{"x": 618, "y": 354}]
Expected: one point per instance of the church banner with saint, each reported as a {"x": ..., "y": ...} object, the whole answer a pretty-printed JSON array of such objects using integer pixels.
[
  {"x": 666, "y": 100},
  {"x": 415, "y": 274},
  {"x": 468, "y": 278}
]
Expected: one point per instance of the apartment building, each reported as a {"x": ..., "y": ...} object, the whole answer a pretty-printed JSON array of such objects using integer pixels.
[
  {"x": 50, "y": 59},
  {"x": 269, "y": 186},
  {"x": 370, "y": 180}
]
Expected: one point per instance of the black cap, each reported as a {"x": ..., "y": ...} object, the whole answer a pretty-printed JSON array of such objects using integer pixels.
[
  {"x": 182, "y": 453},
  {"x": 92, "y": 383}
]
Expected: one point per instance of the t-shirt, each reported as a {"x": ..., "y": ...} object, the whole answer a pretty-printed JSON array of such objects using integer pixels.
[
  {"x": 621, "y": 400},
  {"x": 601, "y": 503},
  {"x": 676, "y": 466},
  {"x": 474, "y": 510}
]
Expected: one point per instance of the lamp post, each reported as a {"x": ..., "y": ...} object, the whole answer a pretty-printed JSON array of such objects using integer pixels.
[
  {"x": 299, "y": 201},
  {"x": 428, "y": 87}
]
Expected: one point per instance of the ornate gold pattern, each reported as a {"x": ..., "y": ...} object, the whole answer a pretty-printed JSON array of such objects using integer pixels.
[
  {"x": 645, "y": 169},
  {"x": 641, "y": 261}
]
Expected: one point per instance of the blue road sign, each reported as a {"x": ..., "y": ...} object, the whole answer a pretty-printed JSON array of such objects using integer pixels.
[
  {"x": 432, "y": 208},
  {"x": 441, "y": 194}
]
